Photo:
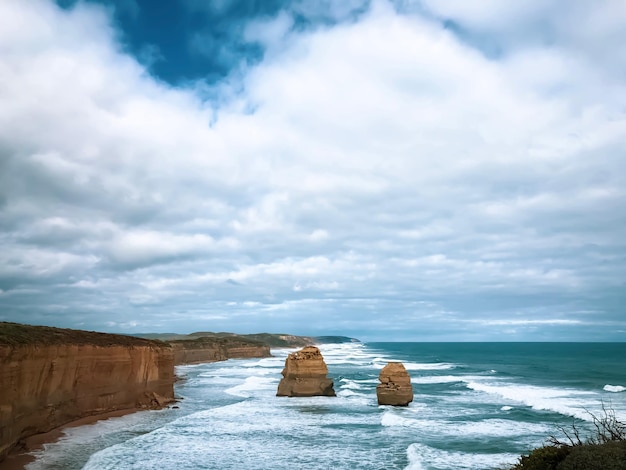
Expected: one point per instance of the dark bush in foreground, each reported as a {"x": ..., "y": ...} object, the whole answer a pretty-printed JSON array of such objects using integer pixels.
[
  {"x": 605, "y": 450},
  {"x": 608, "y": 456},
  {"x": 543, "y": 458}
]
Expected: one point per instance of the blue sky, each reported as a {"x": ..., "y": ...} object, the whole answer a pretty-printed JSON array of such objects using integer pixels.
[{"x": 426, "y": 170}]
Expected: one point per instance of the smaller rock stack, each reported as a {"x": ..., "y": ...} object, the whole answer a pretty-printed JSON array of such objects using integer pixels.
[
  {"x": 305, "y": 374},
  {"x": 395, "y": 385}
]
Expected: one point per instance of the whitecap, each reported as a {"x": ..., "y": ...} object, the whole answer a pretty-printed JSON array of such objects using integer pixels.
[
  {"x": 443, "y": 379},
  {"x": 487, "y": 428},
  {"x": 428, "y": 366},
  {"x": 568, "y": 402},
  {"x": 614, "y": 388},
  {"x": 379, "y": 363},
  {"x": 367, "y": 381},
  {"x": 423, "y": 457},
  {"x": 252, "y": 384},
  {"x": 390, "y": 418},
  {"x": 350, "y": 384}
]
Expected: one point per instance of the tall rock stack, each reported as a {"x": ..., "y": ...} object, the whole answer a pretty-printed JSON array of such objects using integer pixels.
[
  {"x": 305, "y": 375},
  {"x": 395, "y": 385}
]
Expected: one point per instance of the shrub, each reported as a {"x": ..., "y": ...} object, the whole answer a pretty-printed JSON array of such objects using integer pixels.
[
  {"x": 543, "y": 458},
  {"x": 607, "y": 456},
  {"x": 604, "y": 450}
]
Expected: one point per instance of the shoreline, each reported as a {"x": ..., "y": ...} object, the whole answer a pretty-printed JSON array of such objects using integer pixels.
[{"x": 22, "y": 455}]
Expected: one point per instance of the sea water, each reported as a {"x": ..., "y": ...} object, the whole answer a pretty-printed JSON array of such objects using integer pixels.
[{"x": 477, "y": 406}]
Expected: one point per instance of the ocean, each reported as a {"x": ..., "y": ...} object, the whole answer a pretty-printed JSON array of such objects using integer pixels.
[{"x": 477, "y": 406}]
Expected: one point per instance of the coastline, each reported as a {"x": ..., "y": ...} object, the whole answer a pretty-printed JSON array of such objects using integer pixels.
[{"x": 22, "y": 456}]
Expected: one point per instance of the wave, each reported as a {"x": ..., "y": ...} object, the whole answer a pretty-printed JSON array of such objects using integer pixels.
[
  {"x": 252, "y": 384},
  {"x": 350, "y": 384},
  {"x": 568, "y": 402},
  {"x": 366, "y": 381},
  {"x": 444, "y": 379},
  {"x": 429, "y": 366},
  {"x": 379, "y": 363},
  {"x": 485, "y": 428},
  {"x": 614, "y": 388},
  {"x": 422, "y": 457}
]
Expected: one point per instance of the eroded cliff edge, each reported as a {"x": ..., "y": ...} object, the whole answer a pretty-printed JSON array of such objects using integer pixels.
[
  {"x": 51, "y": 376},
  {"x": 211, "y": 349}
]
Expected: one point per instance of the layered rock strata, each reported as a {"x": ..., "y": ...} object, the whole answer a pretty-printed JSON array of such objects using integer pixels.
[
  {"x": 206, "y": 349},
  {"x": 50, "y": 377},
  {"x": 305, "y": 375},
  {"x": 395, "y": 385}
]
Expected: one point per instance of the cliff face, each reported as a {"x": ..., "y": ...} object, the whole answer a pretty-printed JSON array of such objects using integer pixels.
[
  {"x": 47, "y": 381},
  {"x": 216, "y": 349},
  {"x": 305, "y": 374}
]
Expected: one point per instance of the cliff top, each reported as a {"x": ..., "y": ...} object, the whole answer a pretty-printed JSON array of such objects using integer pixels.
[
  {"x": 16, "y": 334},
  {"x": 211, "y": 341},
  {"x": 274, "y": 340}
]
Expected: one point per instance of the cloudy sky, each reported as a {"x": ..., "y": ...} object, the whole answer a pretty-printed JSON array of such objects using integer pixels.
[{"x": 385, "y": 169}]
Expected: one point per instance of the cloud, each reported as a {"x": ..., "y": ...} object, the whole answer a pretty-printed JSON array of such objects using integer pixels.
[
  {"x": 578, "y": 29},
  {"x": 378, "y": 175}
]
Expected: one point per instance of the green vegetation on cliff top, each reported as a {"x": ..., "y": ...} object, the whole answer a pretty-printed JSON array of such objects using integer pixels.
[
  {"x": 274, "y": 340},
  {"x": 215, "y": 341},
  {"x": 16, "y": 334}
]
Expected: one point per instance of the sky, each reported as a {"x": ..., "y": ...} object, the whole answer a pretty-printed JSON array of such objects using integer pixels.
[{"x": 400, "y": 170}]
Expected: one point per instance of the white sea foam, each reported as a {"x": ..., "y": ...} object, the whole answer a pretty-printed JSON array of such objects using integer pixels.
[
  {"x": 567, "y": 402},
  {"x": 379, "y": 363},
  {"x": 252, "y": 384},
  {"x": 270, "y": 362},
  {"x": 356, "y": 399},
  {"x": 486, "y": 428},
  {"x": 614, "y": 388},
  {"x": 428, "y": 366},
  {"x": 443, "y": 379},
  {"x": 366, "y": 381},
  {"x": 422, "y": 457},
  {"x": 390, "y": 419},
  {"x": 506, "y": 408},
  {"x": 350, "y": 384},
  {"x": 251, "y": 434}
]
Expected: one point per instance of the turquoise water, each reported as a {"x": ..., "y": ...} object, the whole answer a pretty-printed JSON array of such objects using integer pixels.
[{"x": 477, "y": 406}]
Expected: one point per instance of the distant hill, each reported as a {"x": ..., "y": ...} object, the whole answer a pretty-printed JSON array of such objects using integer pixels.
[
  {"x": 274, "y": 340},
  {"x": 335, "y": 339}
]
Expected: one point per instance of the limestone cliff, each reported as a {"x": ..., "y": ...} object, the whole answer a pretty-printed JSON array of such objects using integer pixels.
[
  {"x": 207, "y": 349},
  {"x": 51, "y": 376},
  {"x": 395, "y": 385},
  {"x": 305, "y": 375}
]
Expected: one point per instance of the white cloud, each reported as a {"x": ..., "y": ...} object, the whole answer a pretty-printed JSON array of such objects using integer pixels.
[
  {"x": 379, "y": 166},
  {"x": 137, "y": 247},
  {"x": 547, "y": 321}
]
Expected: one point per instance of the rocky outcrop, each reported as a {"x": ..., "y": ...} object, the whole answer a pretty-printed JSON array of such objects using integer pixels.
[
  {"x": 50, "y": 377},
  {"x": 305, "y": 375},
  {"x": 208, "y": 349},
  {"x": 395, "y": 385}
]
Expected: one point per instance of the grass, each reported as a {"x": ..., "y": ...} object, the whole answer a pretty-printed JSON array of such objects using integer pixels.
[
  {"x": 216, "y": 341},
  {"x": 16, "y": 334}
]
